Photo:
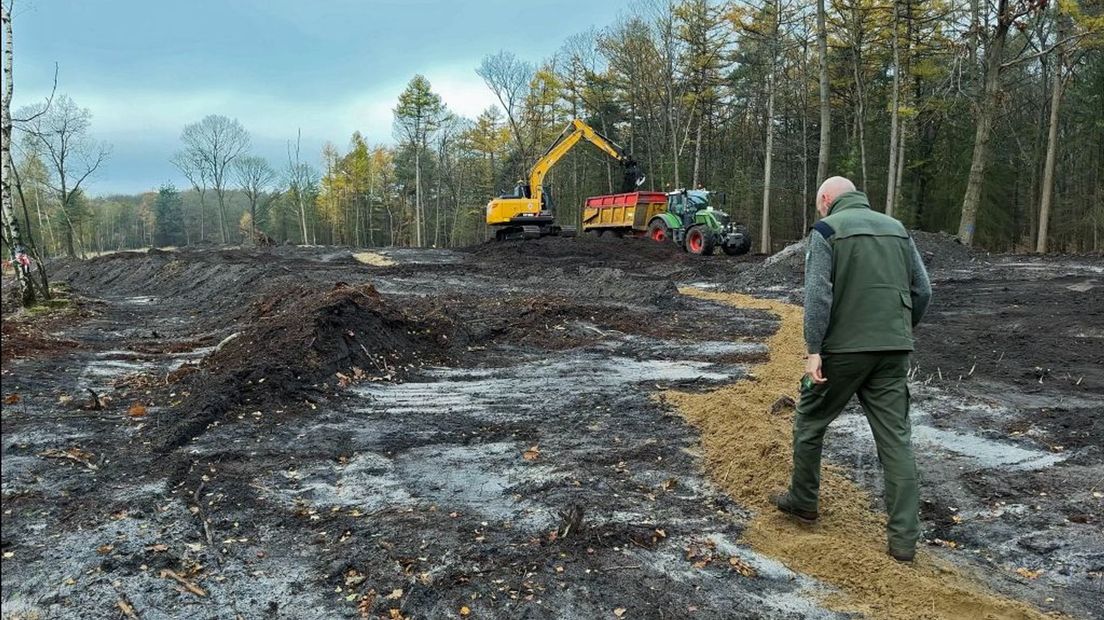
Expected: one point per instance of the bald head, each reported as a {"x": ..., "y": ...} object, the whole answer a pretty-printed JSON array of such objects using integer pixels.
[{"x": 830, "y": 189}]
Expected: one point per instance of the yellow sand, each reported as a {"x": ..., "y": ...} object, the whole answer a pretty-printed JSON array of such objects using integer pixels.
[
  {"x": 748, "y": 452},
  {"x": 373, "y": 258}
]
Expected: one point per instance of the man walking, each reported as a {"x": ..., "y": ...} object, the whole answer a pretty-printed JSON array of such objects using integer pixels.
[{"x": 865, "y": 289}]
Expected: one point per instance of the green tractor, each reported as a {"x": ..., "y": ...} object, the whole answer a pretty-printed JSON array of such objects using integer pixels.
[{"x": 692, "y": 223}]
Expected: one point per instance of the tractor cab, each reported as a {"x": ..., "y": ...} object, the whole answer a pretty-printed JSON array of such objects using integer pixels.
[{"x": 686, "y": 203}]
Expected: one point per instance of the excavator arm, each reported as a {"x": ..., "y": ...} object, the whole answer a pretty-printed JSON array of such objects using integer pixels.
[{"x": 579, "y": 130}]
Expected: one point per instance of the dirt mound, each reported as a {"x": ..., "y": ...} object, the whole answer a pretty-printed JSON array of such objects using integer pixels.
[
  {"x": 586, "y": 248},
  {"x": 299, "y": 344},
  {"x": 604, "y": 283},
  {"x": 786, "y": 269},
  {"x": 942, "y": 250}
]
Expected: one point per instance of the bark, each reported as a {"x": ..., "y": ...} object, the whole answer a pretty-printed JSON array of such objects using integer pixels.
[
  {"x": 697, "y": 151},
  {"x": 417, "y": 196},
  {"x": 987, "y": 109},
  {"x": 825, "y": 103},
  {"x": 894, "y": 114},
  {"x": 765, "y": 236},
  {"x": 1052, "y": 143},
  {"x": 12, "y": 235}
]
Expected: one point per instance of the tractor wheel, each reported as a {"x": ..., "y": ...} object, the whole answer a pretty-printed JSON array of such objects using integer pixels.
[
  {"x": 700, "y": 240},
  {"x": 658, "y": 231}
]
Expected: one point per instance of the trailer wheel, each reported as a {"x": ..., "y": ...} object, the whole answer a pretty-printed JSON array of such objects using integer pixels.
[
  {"x": 700, "y": 240},
  {"x": 657, "y": 231}
]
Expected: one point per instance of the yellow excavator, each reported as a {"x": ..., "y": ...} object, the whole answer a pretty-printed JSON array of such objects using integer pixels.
[{"x": 527, "y": 213}]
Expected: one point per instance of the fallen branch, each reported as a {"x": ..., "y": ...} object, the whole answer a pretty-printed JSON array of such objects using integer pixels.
[{"x": 188, "y": 585}]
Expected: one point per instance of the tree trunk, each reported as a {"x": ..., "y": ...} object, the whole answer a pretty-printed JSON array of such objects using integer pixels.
[
  {"x": 860, "y": 97},
  {"x": 765, "y": 236},
  {"x": 11, "y": 223},
  {"x": 894, "y": 114},
  {"x": 1052, "y": 144},
  {"x": 987, "y": 108},
  {"x": 417, "y": 196},
  {"x": 222, "y": 215},
  {"x": 302, "y": 214},
  {"x": 825, "y": 103},
  {"x": 697, "y": 150}
]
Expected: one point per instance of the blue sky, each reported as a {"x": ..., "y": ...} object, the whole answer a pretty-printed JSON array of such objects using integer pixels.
[{"x": 147, "y": 68}]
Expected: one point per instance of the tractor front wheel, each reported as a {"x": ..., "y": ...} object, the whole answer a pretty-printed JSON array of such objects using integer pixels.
[
  {"x": 658, "y": 231},
  {"x": 700, "y": 240}
]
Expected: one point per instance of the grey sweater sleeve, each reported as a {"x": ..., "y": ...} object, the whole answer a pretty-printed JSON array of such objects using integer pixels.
[
  {"x": 818, "y": 290},
  {"x": 920, "y": 287}
]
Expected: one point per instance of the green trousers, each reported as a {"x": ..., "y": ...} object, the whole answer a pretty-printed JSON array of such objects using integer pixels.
[{"x": 880, "y": 380}]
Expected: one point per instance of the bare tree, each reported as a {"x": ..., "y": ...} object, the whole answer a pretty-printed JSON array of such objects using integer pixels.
[
  {"x": 300, "y": 180},
  {"x": 212, "y": 145},
  {"x": 61, "y": 130},
  {"x": 508, "y": 77},
  {"x": 254, "y": 176},
  {"x": 191, "y": 166}
]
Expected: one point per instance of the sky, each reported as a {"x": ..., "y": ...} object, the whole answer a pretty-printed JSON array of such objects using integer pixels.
[{"x": 146, "y": 68}]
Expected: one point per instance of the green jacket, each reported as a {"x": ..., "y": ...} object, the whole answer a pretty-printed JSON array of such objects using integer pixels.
[{"x": 864, "y": 279}]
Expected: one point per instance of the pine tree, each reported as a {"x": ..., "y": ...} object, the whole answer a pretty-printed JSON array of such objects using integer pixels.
[{"x": 168, "y": 216}]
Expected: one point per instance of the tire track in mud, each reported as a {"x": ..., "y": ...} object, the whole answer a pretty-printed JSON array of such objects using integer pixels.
[{"x": 748, "y": 453}]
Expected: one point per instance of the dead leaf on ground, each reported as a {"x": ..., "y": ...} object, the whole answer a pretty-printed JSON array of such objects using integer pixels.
[
  {"x": 83, "y": 457},
  {"x": 354, "y": 577},
  {"x": 136, "y": 410},
  {"x": 619, "y": 612},
  {"x": 367, "y": 602},
  {"x": 531, "y": 454},
  {"x": 11, "y": 399},
  {"x": 127, "y": 609},
  {"x": 1028, "y": 573},
  {"x": 465, "y": 611},
  {"x": 395, "y": 595},
  {"x": 105, "y": 549},
  {"x": 157, "y": 548},
  {"x": 741, "y": 567}
]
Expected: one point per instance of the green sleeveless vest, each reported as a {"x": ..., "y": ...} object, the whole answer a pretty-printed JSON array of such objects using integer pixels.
[{"x": 871, "y": 303}]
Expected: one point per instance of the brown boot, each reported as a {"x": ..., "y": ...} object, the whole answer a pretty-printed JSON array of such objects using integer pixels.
[
  {"x": 903, "y": 555},
  {"x": 784, "y": 502}
]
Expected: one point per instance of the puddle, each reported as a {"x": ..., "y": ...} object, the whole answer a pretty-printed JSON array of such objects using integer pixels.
[
  {"x": 982, "y": 452},
  {"x": 139, "y": 300},
  {"x": 503, "y": 394}
]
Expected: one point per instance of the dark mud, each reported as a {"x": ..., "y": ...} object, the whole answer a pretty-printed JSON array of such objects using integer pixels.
[
  {"x": 301, "y": 435},
  {"x": 320, "y": 449}
]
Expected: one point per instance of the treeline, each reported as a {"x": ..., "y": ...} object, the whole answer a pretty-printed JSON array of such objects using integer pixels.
[{"x": 981, "y": 118}]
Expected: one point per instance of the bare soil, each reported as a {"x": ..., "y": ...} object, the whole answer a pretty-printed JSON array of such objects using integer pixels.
[{"x": 301, "y": 433}]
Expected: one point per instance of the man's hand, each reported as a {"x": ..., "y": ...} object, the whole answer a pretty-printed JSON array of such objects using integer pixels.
[{"x": 812, "y": 368}]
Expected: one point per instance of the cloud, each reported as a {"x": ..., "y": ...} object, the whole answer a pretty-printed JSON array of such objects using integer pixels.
[{"x": 144, "y": 125}]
